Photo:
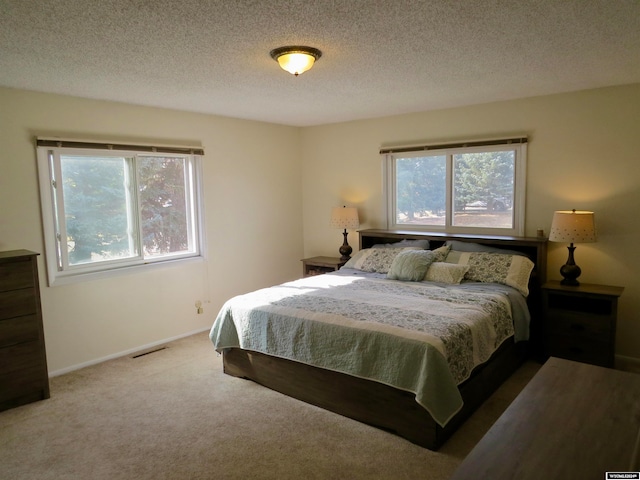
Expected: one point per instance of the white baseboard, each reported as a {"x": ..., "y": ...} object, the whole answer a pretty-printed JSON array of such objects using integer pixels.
[
  {"x": 123, "y": 354},
  {"x": 629, "y": 364}
]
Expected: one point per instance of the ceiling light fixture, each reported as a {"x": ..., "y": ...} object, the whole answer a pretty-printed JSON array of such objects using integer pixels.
[{"x": 295, "y": 59}]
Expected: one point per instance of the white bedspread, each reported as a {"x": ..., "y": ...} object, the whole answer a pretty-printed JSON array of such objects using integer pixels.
[{"x": 418, "y": 337}]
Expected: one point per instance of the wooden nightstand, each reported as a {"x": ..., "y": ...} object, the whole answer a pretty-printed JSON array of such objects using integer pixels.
[
  {"x": 580, "y": 322},
  {"x": 319, "y": 265}
]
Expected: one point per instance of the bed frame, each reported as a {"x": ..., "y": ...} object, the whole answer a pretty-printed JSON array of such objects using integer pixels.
[{"x": 383, "y": 406}]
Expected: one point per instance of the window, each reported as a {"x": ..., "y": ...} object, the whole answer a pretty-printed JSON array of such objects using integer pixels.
[
  {"x": 458, "y": 188},
  {"x": 106, "y": 208}
]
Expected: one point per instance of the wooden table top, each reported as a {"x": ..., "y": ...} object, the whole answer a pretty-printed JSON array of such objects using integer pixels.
[{"x": 572, "y": 420}]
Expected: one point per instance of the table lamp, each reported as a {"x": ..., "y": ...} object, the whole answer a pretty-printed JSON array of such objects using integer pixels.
[
  {"x": 345, "y": 217},
  {"x": 572, "y": 226}
]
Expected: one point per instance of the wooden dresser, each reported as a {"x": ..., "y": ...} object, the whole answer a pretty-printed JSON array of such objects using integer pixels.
[
  {"x": 573, "y": 420},
  {"x": 23, "y": 362}
]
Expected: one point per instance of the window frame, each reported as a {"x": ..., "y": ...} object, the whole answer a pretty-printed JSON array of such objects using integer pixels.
[
  {"x": 519, "y": 148},
  {"x": 59, "y": 270}
]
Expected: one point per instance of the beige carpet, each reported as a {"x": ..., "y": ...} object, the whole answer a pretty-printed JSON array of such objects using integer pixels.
[{"x": 173, "y": 414}]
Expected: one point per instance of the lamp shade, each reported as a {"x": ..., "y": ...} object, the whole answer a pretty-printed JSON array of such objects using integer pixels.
[
  {"x": 573, "y": 226},
  {"x": 345, "y": 217}
]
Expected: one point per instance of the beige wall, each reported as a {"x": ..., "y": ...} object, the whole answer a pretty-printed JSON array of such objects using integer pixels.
[
  {"x": 583, "y": 153},
  {"x": 261, "y": 217},
  {"x": 252, "y": 194}
]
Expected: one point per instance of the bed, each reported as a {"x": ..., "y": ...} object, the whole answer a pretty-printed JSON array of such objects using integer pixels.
[{"x": 378, "y": 343}]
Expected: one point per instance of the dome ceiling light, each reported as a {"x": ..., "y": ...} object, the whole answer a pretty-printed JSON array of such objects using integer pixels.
[{"x": 295, "y": 59}]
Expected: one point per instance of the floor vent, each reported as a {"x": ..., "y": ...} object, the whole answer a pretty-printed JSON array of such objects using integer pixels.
[{"x": 150, "y": 351}]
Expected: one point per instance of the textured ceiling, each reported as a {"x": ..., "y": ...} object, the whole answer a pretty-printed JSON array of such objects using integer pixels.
[{"x": 379, "y": 57}]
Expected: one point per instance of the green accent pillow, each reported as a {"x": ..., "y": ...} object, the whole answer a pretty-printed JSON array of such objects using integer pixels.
[{"x": 411, "y": 265}]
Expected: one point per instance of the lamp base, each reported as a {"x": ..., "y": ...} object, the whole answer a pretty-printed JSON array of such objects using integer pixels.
[
  {"x": 570, "y": 282},
  {"x": 570, "y": 271},
  {"x": 345, "y": 250}
]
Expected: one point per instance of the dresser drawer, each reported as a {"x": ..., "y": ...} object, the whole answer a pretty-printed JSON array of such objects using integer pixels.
[
  {"x": 580, "y": 325},
  {"x": 22, "y": 373},
  {"x": 20, "y": 390},
  {"x": 16, "y": 275},
  {"x": 581, "y": 350},
  {"x": 19, "y": 330},
  {"x": 16, "y": 358},
  {"x": 17, "y": 303},
  {"x": 578, "y": 302}
]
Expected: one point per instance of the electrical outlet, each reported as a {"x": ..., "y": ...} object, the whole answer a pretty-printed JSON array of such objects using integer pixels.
[{"x": 199, "y": 309}]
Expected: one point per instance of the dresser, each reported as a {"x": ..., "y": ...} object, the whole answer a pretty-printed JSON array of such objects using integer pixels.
[
  {"x": 23, "y": 363},
  {"x": 573, "y": 420}
]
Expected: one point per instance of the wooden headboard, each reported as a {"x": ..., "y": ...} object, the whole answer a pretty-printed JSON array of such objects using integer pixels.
[{"x": 533, "y": 247}]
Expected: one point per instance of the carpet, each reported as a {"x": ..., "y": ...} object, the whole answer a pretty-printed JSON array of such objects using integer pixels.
[{"x": 173, "y": 414}]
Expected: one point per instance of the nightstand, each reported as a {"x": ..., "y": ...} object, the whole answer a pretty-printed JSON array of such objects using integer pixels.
[
  {"x": 580, "y": 322},
  {"x": 319, "y": 265}
]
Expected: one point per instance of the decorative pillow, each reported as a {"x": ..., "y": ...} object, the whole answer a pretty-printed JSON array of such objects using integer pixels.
[
  {"x": 441, "y": 253},
  {"x": 410, "y": 265},
  {"x": 378, "y": 260},
  {"x": 356, "y": 260},
  {"x": 375, "y": 259},
  {"x": 453, "y": 256},
  {"x": 423, "y": 244},
  {"x": 512, "y": 270},
  {"x": 446, "y": 273}
]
